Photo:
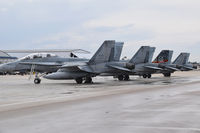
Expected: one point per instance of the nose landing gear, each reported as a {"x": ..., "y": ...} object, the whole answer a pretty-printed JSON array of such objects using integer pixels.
[
  {"x": 37, "y": 80},
  {"x": 167, "y": 74}
]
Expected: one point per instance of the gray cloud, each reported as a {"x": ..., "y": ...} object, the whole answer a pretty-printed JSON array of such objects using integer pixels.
[{"x": 172, "y": 24}]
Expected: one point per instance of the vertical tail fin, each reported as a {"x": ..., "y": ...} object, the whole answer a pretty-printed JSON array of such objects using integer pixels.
[
  {"x": 182, "y": 59},
  {"x": 103, "y": 53},
  {"x": 151, "y": 53},
  {"x": 143, "y": 55},
  {"x": 165, "y": 57},
  {"x": 116, "y": 52}
]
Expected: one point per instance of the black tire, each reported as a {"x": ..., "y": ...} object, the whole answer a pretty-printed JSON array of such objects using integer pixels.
[
  {"x": 79, "y": 80},
  {"x": 120, "y": 77},
  {"x": 167, "y": 74},
  {"x": 37, "y": 81},
  {"x": 149, "y": 76},
  {"x": 126, "y": 77},
  {"x": 88, "y": 80},
  {"x": 144, "y": 76}
]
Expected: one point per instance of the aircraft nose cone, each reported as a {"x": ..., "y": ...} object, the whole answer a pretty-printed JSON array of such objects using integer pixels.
[
  {"x": 2, "y": 68},
  {"x": 9, "y": 67}
]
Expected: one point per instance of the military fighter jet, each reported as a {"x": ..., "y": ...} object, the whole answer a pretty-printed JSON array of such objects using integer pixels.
[
  {"x": 164, "y": 61},
  {"x": 140, "y": 64},
  {"x": 181, "y": 62},
  {"x": 39, "y": 63},
  {"x": 86, "y": 70}
]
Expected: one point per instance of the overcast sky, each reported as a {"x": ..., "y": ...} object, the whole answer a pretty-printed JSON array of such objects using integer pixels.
[{"x": 57, "y": 24}]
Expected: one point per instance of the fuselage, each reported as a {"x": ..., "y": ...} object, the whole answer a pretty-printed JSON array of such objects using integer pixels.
[{"x": 23, "y": 65}]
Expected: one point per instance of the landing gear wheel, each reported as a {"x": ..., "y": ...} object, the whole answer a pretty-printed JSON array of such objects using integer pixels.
[
  {"x": 145, "y": 76},
  {"x": 37, "y": 81},
  {"x": 126, "y": 77},
  {"x": 79, "y": 80},
  {"x": 149, "y": 76},
  {"x": 167, "y": 74},
  {"x": 120, "y": 77},
  {"x": 88, "y": 80}
]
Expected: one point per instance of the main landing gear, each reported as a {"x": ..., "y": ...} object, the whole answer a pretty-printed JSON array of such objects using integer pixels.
[
  {"x": 88, "y": 80},
  {"x": 123, "y": 77},
  {"x": 167, "y": 74},
  {"x": 146, "y": 75},
  {"x": 79, "y": 80}
]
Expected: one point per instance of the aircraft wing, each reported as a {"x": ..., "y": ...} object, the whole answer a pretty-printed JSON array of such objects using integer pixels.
[
  {"x": 73, "y": 64},
  {"x": 82, "y": 66},
  {"x": 172, "y": 68},
  {"x": 41, "y": 63},
  {"x": 86, "y": 69},
  {"x": 153, "y": 67},
  {"x": 119, "y": 68}
]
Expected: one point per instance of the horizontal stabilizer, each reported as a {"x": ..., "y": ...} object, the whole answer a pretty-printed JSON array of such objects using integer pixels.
[
  {"x": 41, "y": 63},
  {"x": 153, "y": 67},
  {"x": 82, "y": 66},
  {"x": 189, "y": 68},
  {"x": 172, "y": 68},
  {"x": 119, "y": 68}
]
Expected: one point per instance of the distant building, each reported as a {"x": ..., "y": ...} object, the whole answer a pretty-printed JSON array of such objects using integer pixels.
[{"x": 4, "y": 57}]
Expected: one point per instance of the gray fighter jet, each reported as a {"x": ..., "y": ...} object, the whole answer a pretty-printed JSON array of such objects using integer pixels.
[
  {"x": 140, "y": 64},
  {"x": 39, "y": 63},
  {"x": 164, "y": 61},
  {"x": 181, "y": 62},
  {"x": 84, "y": 71}
]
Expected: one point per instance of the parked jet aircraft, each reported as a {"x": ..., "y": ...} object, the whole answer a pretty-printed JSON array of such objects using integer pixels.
[
  {"x": 140, "y": 64},
  {"x": 181, "y": 62},
  {"x": 38, "y": 62},
  {"x": 86, "y": 70},
  {"x": 164, "y": 61}
]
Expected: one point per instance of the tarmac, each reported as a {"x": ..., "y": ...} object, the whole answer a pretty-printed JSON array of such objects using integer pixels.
[{"x": 158, "y": 105}]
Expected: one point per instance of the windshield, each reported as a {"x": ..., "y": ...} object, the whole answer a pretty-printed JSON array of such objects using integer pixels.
[{"x": 38, "y": 55}]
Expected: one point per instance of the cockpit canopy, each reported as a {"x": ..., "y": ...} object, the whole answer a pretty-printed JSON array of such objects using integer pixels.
[{"x": 38, "y": 55}]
